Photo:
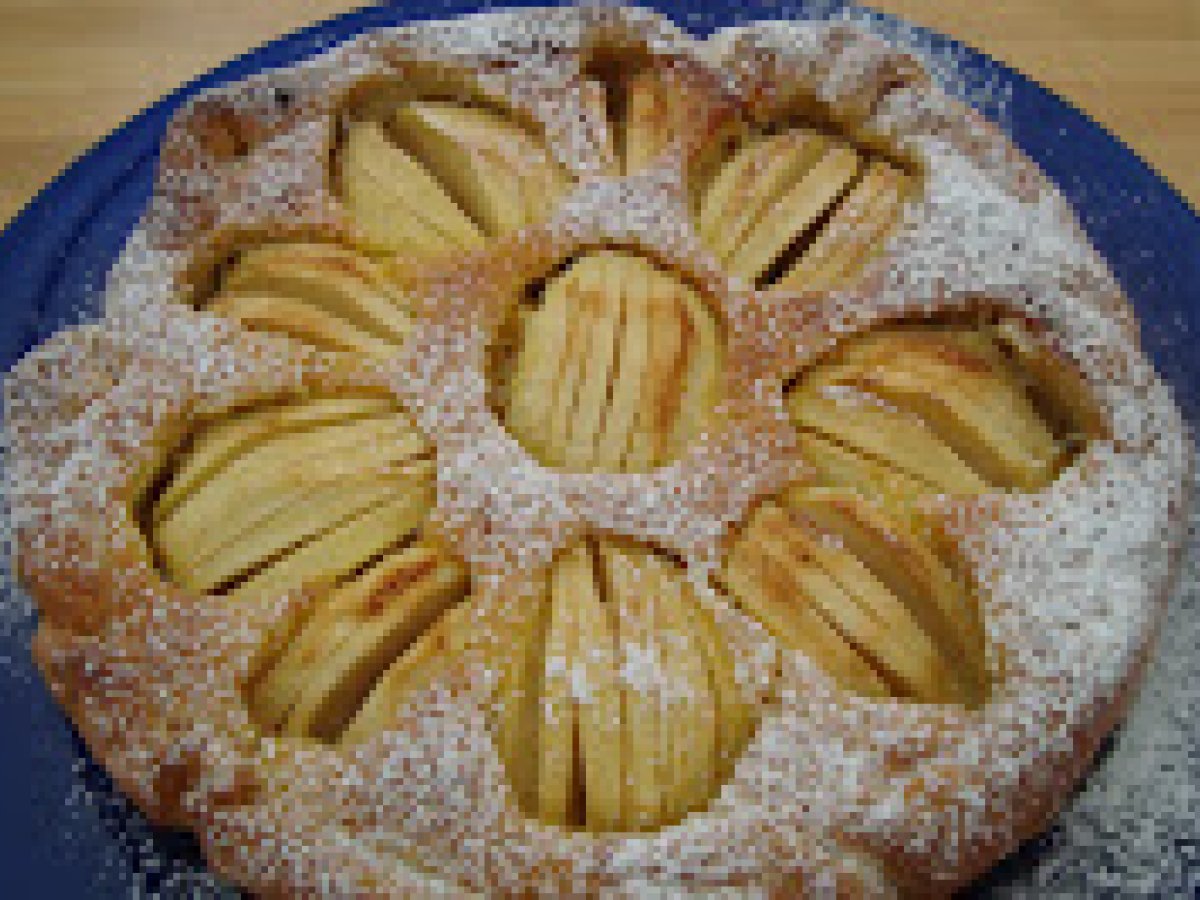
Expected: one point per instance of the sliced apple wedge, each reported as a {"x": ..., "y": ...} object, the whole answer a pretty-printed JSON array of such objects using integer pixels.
[
  {"x": 797, "y": 209},
  {"x": 397, "y": 203},
  {"x": 855, "y": 229},
  {"x": 224, "y": 440},
  {"x": 329, "y": 557},
  {"x": 763, "y": 584},
  {"x": 970, "y": 402},
  {"x": 502, "y": 175},
  {"x": 318, "y": 683},
  {"x": 899, "y": 558},
  {"x": 691, "y": 729},
  {"x": 597, "y": 698},
  {"x": 868, "y": 627},
  {"x": 843, "y": 465},
  {"x": 943, "y": 407},
  {"x": 255, "y": 488},
  {"x": 284, "y": 315},
  {"x": 321, "y": 293},
  {"x": 557, "y": 733},
  {"x": 640, "y": 660},
  {"x": 892, "y": 438},
  {"x": 282, "y": 471},
  {"x": 517, "y": 704},
  {"x": 608, "y": 714},
  {"x": 617, "y": 369},
  {"x": 734, "y": 714},
  {"x": 386, "y": 706},
  {"x": 1052, "y": 378},
  {"x": 751, "y": 183}
]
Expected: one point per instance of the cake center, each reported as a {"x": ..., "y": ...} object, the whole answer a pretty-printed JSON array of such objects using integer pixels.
[{"x": 614, "y": 367}]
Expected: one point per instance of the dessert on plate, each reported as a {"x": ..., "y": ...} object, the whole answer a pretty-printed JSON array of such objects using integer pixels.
[{"x": 545, "y": 453}]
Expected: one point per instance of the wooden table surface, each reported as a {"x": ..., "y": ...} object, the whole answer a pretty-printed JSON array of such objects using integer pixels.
[{"x": 71, "y": 70}]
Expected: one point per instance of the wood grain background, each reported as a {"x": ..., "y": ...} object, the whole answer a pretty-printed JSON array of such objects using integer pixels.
[{"x": 72, "y": 70}]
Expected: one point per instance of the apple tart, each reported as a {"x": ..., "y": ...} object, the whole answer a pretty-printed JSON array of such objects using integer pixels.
[{"x": 547, "y": 454}]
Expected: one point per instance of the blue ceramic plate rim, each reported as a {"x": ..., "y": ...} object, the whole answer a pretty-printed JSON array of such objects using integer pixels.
[{"x": 54, "y": 253}]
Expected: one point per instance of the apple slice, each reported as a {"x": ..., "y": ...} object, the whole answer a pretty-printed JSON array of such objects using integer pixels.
[
  {"x": 640, "y": 663},
  {"x": 557, "y": 734},
  {"x": 751, "y": 182},
  {"x": 399, "y": 206},
  {"x": 329, "y": 557},
  {"x": 503, "y": 175},
  {"x": 763, "y": 583},
  {"x": 614, "y": 451},
  {"x": 703, "y": 381},
  {"x": 868, "y": 613},
  {"x": 599, "y": 297},
  {"x": 517, "y": 704},
  {"x": 387, "y": 706},
  {"x": 220, "y": 442},
  {"x": 691, "y": 730},
  {"x": 797, "y": 208},
  {"x": 317, "y": 684},
  {"x": 732, "y": 711},
  {"x": 598, "y": 704},
  {"x": 617, "y": 369},
  {"x": 252, "y": 493},
  {"x": 840, "y": 465},
  {"x": 857, "y": 227},
  {"x": 889, "y": 436},
  {"x": 900, "y": 558},
  {"x": 536, "y": 373},
  {"x": 1054, "y": 379},
  {"x": 331, "y": 279},
  {"x": 970, "y": 403},
  {"x": 290, "y": 464},
  {"x": 276, "y": 527},
  {"x": 583, "y": 294},
  {"x": 263, "y": 312}
]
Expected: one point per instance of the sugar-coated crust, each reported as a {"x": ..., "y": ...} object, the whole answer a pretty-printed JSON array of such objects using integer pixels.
[{"x": 836, "y": 795}]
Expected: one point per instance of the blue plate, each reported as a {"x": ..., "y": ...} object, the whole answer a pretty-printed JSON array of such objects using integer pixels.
[{"x": 64, "y": 831}]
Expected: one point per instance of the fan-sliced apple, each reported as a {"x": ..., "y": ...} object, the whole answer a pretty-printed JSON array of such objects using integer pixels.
[
  {"x": 831, "y": 599},
  {"x": 955, "y": 384},
  {"x": 878, "y": 432},
  {"x": 598, "y": 712},
  {"x": 248, "y": 492},
  {"x": 617, "y": 706},
  {"x": 319, "y": 293},
  {"x": 797, "y": 209},
  {"x": 895, "y": 550},
  {"x": 617, "y": 368},
  {"x": 954, "y": 407},
  {"x": 223, "y": 440},
  {"x": 319, "y": 682},
  {"x": 503, "y": 176},
  {"x": 397, "y": 204},
  {"x": 437, "y": 647},
  {"x": 856, "y": 228},
  {"x": 434, "y": 177}
]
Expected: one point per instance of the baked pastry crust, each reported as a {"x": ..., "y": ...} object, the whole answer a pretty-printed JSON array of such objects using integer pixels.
[{"x": 834, "y": 793}]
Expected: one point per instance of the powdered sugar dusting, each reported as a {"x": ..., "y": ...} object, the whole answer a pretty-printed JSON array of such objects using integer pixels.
[{"x": 833, "y": 791}]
